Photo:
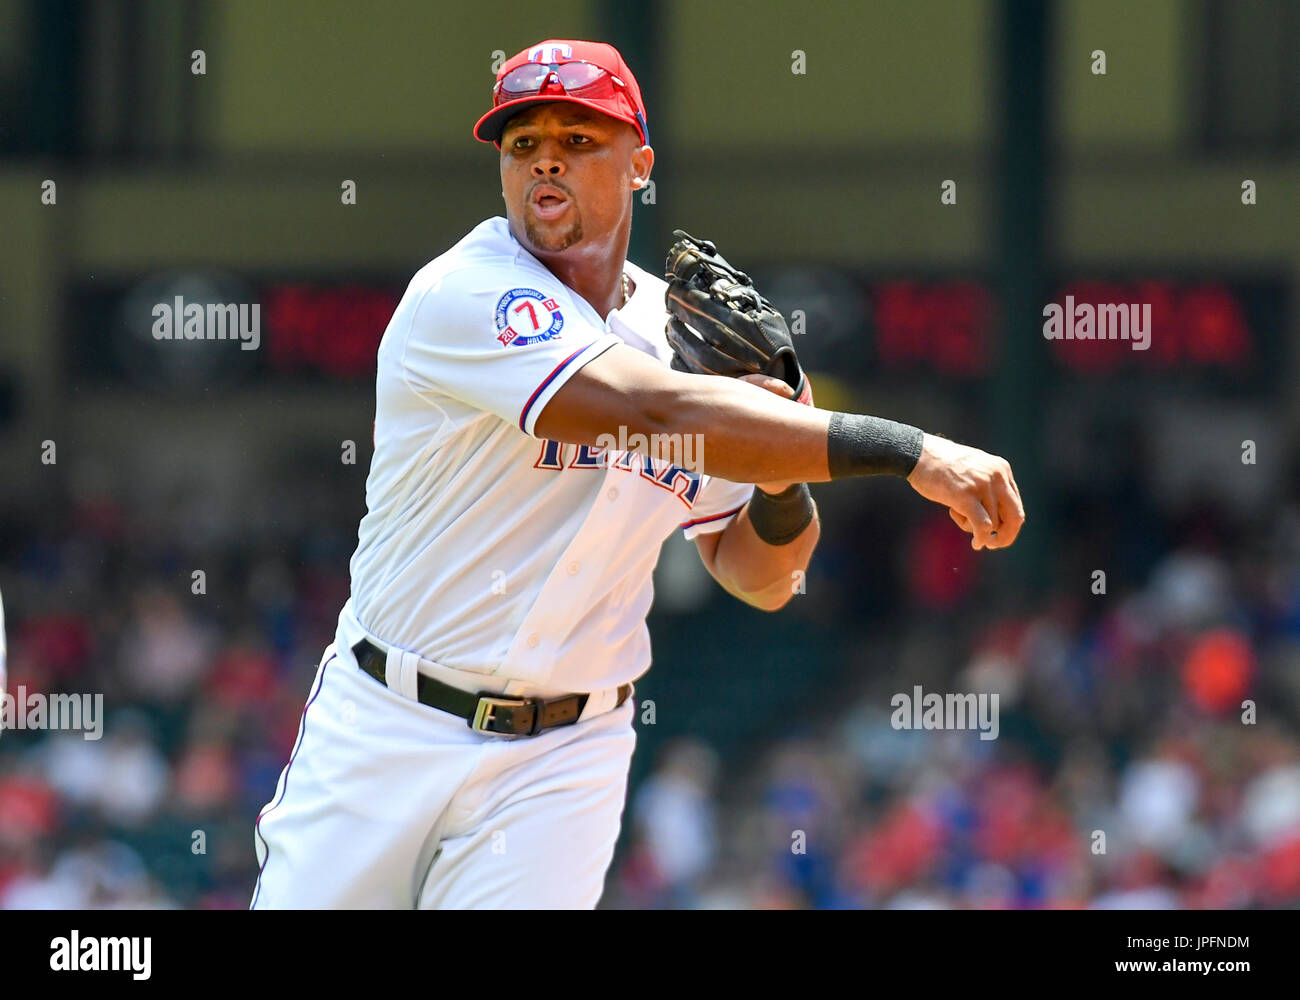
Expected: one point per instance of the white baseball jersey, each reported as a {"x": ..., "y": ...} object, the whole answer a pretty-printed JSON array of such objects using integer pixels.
[{"x": 485, "y": 548}]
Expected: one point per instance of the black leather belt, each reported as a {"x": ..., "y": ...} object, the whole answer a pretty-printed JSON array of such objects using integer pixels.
[{"x": 487, "y": 711}]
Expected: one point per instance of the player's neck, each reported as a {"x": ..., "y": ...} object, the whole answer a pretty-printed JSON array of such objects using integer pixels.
[
  {"x": 593, "y": 269},
  {"x": 603, "y": 291}
]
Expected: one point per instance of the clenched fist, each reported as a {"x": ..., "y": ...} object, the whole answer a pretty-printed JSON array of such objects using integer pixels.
[{"x": 978, "y": 489}]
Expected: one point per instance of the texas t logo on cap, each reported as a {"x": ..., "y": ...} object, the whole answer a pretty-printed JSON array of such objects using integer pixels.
[
  {"x": 549, "y": 52},
  {"x": 592, "y": 74}
]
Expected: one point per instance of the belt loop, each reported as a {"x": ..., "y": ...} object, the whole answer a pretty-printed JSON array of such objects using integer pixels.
[
  {"x": 401, "y": 672},
  {"x": 598, "y": 702}
]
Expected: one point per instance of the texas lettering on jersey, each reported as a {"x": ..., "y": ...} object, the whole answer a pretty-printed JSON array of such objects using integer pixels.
[{"x": 681, "y": 483}]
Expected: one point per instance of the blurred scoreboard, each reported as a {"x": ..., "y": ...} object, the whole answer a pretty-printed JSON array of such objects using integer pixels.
[
  {"x": 313, "y": 331},
  {"x": 949, "y": 327},
  {"x": 1219, "y": 332}
]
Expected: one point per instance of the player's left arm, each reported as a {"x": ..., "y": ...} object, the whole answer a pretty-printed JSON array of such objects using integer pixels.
[
  {"x": 750, "y": 569},
  {"x": 755, "y": 571}
]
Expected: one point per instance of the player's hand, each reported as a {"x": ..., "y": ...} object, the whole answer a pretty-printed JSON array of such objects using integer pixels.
[
  {"x": 720, "y": 324},
  {"x": 978, "y": 489},
  {"x": 783, "y": 389}
]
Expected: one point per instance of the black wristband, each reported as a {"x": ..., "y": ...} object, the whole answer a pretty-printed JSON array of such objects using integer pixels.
[
  {"x": 858, "y": 445},
  {"x": 779, "y": 518}
]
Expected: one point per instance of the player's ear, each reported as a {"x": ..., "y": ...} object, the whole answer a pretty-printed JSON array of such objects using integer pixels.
[{"x": 643, "y": 161}]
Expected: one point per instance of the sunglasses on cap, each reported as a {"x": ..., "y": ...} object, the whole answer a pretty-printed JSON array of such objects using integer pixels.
[{"x": 575, "y": 78}]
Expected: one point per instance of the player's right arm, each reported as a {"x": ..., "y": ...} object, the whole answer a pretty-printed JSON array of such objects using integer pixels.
[{"x": 750, "y": 435}]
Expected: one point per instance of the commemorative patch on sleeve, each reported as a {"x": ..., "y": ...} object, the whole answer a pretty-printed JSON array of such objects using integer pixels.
[{"x": 526, "y": 316}]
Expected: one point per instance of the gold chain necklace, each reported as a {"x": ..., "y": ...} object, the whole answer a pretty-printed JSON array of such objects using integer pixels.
[{"x": 627, "y": 290}]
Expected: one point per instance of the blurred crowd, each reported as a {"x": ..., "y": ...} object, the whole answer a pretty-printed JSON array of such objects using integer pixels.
[
  {"x": 1147, "y": 753},
  {"x": 1147, "y": 759},
  {"x": 203, "y": 679}
]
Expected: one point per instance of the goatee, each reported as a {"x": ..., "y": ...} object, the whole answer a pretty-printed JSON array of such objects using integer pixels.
[{"x": 553, "y": 242}]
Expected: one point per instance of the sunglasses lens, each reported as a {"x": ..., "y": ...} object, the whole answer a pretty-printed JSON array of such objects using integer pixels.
[
  {"x": 585, "y": 80},
  {"x": 522, "y": 81},
  {"x": 578, "y": 79}
]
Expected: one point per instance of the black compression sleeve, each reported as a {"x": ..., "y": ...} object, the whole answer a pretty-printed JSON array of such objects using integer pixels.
[
  {"x": 779, "y": 518},
  {"x": 858, "y": 445}
]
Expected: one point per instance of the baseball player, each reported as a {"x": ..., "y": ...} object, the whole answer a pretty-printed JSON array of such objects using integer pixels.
[{"x": 466, "y": 740}]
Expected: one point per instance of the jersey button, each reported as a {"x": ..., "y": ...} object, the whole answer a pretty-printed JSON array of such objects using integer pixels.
[
  {"x": 574, "y": 567},
  {"x": 613, "y": 493},
  {"x": 533, "y": 640}
]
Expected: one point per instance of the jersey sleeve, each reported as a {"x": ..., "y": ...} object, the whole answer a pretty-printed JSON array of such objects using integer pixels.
[
  {"x": 719, "y": 502},
  {"x": 499, "y": 340}
]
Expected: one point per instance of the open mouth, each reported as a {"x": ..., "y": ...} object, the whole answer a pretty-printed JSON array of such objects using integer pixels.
[{"x": 549, "y": 202}]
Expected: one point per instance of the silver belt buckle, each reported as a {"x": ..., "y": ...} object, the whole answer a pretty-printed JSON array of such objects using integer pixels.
[{"x": 486, "y": 711}]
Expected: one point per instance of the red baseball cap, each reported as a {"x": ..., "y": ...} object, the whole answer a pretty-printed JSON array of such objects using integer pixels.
[{"x": 614, "y": 92}]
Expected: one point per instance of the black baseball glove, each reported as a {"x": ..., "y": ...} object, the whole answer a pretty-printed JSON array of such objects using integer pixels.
[{"x": 719, "y": 324}]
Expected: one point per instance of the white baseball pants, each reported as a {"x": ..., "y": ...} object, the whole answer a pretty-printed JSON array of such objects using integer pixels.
[{"x": 389, "y": 804}]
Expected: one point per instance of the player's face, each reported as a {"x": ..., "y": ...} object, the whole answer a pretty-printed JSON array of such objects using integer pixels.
[{"x": 567, "y": 174}]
